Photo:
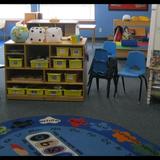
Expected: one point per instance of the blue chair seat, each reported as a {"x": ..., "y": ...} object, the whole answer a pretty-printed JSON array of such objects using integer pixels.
[{"x": 127, "y": 72}]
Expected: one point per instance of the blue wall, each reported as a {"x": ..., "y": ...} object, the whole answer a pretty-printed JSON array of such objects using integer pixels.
[{"x": 104, "y": 19}]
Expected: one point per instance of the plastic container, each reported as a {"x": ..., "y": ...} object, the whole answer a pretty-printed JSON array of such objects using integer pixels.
[
  {"x": 59, "y": 63},
  {"x": 53, "y": 92},
  {"x": 70, "y": 77},
  {"x": 76, "y": 52},
  {"x": 16, "y": 91},
  {"x": 76, "y": 93},
  {"x": 34, "y": 92},
  {"x": 39, "y": 63},
  {"x": 75, "y": 64},
  {"x": 15, "y": 62},
  {"x": 54, "y": 77},
  {"x": 62, "y": 51}
]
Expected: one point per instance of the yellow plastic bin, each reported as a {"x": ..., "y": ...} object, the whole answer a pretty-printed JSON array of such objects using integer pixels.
[
  {"x": 39, "y": 63},
  {"x": 70, "y": 77},
  {"x": 53, "y": 92},
  {"x": 15, "y": 62},
  {"x": 76, "y": 52},
  {"x": 62, "y": 51},
  {"x": 71, "y": 92},
  {"x": 34, "y": 92},
  {"x": 75, "y": 64},
  {"x": 16, "y": 91},
  {"x": 59, "y": 63},
  {"x": 54, "y": 77}
]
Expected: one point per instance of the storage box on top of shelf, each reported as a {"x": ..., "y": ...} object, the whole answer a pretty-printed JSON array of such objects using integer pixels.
[
  {"x": 75, "y": 64},
  {"x": 39, "y": 63},
  {"x": 59, "y": 63},
  {"x": 53, "y": 92},
  {"x": 70, "y": 77},
  {"x": 15, "y": 62},
  {"x": 72, "y": 92},
  {"x": 34, "y": 92},
  {"x": 76, "y": 52},
  {"x": 62, "y": 51},
  {"x": 54, "y": 77},
  {"x": 16, "y": 91}
]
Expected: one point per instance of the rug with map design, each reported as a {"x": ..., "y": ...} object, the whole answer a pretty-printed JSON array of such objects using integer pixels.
[{"x": 59, "y": 135}]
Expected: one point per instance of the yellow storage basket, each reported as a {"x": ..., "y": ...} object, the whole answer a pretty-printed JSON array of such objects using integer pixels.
[
  {"x": 53, "y": 92},
  {"x": 68, "y": 92},
  {"x": 62, "y": 51},
  {"x": 59, "y": 63},
  {"x": 34, "y": 92},
  {"x": 76, "y": 52},
  {"x": 70, "y": 77},
  {"x": 54, "y": 77},
  {"x": 16, "y": 91},
  {"x": 39, "y": 63},
  {"x": 15, "y": 62},
  {"x": 75, "y": 64}
]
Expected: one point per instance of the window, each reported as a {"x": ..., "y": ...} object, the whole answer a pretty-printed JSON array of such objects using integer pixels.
[
  {"x": 8, "y": 11},
  {"x": 68, "y": 11}
]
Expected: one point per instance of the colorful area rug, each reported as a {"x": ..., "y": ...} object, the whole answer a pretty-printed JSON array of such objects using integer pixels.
[{"x": 58, "y": 135}]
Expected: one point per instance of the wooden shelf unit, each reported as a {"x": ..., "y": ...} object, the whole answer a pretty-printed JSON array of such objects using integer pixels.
[
  {"x": 154, "y": 77},
  {"x": 29, "y": 51},
  {"x": 119, "y": 22}
]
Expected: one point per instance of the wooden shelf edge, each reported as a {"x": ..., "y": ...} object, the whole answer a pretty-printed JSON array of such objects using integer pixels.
[
  {"x": 51, "y": 98},
  {"x": 50, "y": 69},
  {"x": 38, "y": 82}
]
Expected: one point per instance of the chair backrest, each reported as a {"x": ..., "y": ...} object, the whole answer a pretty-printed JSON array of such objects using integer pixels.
[
  {"x": 99, "y": 63},
  {"x": 136, "y": 59},
  {"x": 110, "y": 46}
]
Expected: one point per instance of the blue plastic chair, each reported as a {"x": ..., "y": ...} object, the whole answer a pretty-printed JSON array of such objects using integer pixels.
[
  {"x": 110, "y": 46},
  {"x": 134, "y": 68},
  {"x": 101, "y": 67}
]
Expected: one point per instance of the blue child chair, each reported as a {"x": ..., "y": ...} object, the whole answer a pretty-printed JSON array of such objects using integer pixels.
[
  {"x": 134, "y": 68},
  {"x": 110, "y": 46},
  {"x": 102, "y": 67}
]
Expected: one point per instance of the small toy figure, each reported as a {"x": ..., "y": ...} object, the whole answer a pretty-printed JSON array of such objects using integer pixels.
[{"x": 118, "y": 31}]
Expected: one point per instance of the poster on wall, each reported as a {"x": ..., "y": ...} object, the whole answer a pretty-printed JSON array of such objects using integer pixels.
[{"x": 133, "y": 7}]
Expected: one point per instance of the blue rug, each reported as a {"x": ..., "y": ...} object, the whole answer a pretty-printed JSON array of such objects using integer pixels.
[{"x": 57, "y": 135}]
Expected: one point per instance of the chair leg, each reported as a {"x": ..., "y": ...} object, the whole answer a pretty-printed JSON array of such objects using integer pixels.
[
  {"x": 115, "y": 79},
  {"x": 108, "y": 87},
  {"x": 140, "y": 89},
  {"x": 97, "y": 82},
  {"x": 123, "y": 84},
  {"x": 89, "y": 80},
  {"x": 145, "y": 80},
  {"x": 90, "y": 83}
]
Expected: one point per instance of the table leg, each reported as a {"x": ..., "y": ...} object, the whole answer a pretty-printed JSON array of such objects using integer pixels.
[{"x": 93, "y": 37}]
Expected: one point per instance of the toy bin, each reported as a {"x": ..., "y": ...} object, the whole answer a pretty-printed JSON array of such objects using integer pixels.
[
  {"x": 16, "y": 91},
  {"x": 54, "y": 77},
  {"x": 15, "y": 62},
  {"x": 62, "y": 51},
  {"x": 59, "y": 63},
  {"x": 75, "y": 64},
  {"x": 76, "y": 52},
  {"x": 39, "y": 63},
  {"x": 53, "y": 92},
  {"x": 70, "y": 92},
  {"x": 70, "y": 77},
  {"x": 34, "y": 92}
]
